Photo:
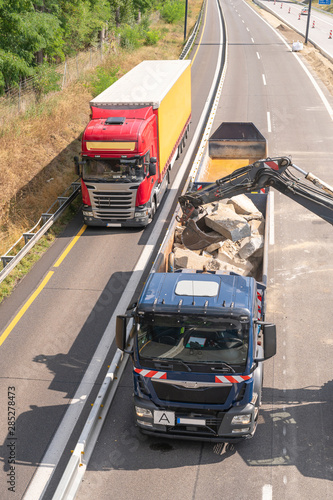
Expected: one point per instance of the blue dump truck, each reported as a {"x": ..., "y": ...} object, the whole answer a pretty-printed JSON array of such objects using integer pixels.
[
  {"x": 199, "y": 337},
  {"x": 199, "y": 332}
]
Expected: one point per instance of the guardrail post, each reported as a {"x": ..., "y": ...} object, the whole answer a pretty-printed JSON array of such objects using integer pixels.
[
  {"x": 6, "y": 259},
  {"x": 46, "y": 217},
  {"x": 62, "y": 200},
  {"x": 27, "y": 237}
]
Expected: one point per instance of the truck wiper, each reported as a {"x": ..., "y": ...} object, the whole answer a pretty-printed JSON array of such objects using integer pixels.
[
  {"x": 222, "y": 364},
  {"x": 183, "y": 363},
  {"x": 170, "y": 360}
]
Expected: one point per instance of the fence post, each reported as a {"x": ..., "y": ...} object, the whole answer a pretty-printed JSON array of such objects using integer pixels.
[
  {"x": 19, "y": 98},
  {"x": 64, "y": 77}
]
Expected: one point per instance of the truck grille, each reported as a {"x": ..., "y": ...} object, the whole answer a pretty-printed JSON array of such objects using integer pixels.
[
  {"x": 203, "y": 395},
  {"x": 113, "y": 204}
]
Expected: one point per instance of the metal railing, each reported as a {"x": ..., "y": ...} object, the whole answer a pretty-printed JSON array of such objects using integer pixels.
[{"x": 16, "y": 252}]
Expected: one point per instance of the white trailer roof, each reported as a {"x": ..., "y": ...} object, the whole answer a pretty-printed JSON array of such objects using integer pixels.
[{"x": 144, "y": 85}]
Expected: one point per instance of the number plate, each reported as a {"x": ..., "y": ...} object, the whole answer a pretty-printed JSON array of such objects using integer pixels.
[{"x": 164, "y": 417}]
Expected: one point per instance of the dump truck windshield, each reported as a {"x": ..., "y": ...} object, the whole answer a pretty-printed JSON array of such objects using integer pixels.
[
  {"x": 113, "y": 170},
  {"x": 201, "y": 340}
]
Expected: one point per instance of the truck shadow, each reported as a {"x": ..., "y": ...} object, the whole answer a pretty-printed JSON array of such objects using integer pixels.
[{"x": 293, "y": 430}]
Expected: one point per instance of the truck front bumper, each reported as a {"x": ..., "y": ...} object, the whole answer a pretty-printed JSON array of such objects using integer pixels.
[
  {"x": 90, "y": 220},
  {"x": 236, "y": 424}
]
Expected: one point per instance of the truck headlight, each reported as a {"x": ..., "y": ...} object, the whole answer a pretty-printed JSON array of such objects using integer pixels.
[
  {"x": 245, "y": 429},
  {"x": 241, "y": 419},
  {"x": 86, "y": 213},
  {"x": 143, "y": 412}
]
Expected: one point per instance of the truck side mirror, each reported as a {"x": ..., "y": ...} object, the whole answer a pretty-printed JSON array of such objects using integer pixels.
[
  {"x": 152, "y": 166},
  {"x": 77, "y": 165},
  {"x": 121, "y": 324},
  {"x": 269, "y": 341}
]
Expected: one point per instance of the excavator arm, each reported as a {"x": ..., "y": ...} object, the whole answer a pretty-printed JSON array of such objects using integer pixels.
[{"x": 273, "y": 172}]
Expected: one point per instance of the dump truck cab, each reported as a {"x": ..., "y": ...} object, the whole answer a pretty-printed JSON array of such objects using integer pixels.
[{"x": 197, "y": 355}]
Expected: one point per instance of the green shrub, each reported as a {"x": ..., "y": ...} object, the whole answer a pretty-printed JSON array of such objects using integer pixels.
[
  {"x": 103, "y": 79},
  {"x": 130, "y": 37},
  {"x": 152, "y": 37},
  {"x": 172, "y": 10}
]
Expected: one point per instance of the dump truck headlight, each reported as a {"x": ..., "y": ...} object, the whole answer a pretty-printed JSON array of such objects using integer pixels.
[
  {"x": 241, "y": 419},
  {"x": 143, "y": 412}
]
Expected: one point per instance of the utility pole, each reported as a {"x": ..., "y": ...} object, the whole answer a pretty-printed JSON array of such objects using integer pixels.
[
  {"x": 308, "y": 23},
  {"x": 185, "y": 22}
]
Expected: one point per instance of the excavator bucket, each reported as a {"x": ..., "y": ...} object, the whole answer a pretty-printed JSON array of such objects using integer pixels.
[
  {"x": 233, "y": 145},
  {"x": 196, "y": 235}
]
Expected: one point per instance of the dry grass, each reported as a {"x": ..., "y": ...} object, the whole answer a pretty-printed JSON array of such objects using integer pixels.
[{"x": 36, "y": 151}]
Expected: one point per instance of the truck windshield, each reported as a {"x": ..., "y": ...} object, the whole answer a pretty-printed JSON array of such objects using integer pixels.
[
  {"x": 113, "y": 170},
  {"x": 203, "y": 340}
]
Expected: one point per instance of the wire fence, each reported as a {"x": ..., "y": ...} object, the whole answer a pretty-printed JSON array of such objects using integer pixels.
[{"x": 18, "y": 99}]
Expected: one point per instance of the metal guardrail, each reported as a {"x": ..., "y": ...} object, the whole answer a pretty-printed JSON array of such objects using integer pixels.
[
  {"x": 76, "y": 467},
  {"x": 10, "y": 261},
  {"x": 190, "y": 41}
]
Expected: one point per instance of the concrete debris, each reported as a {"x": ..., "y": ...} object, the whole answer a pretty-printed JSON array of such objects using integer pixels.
[
  {"x": 187, "y": 259},
  {"x": 257, "y": 226},
  {"x": 243, "y": 204},
  {"x": 249, "y": 246},
  {"x": 218, "y": 265},
  {"x": 178, "y": 234},
  {"x": 240, "y": 250},
  {"x": 228, "y": 223}
]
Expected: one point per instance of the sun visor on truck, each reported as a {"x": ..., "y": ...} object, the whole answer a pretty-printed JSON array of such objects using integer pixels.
[{"x": 237, "y": 140}]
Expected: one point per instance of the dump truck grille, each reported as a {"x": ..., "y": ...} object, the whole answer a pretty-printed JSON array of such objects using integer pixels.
[
  {"x": 203, "y": 395},
  {"x": 113, "y": 204}
]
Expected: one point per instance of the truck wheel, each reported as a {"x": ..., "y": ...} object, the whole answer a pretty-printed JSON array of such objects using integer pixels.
[{"x": 152, "y": 209}]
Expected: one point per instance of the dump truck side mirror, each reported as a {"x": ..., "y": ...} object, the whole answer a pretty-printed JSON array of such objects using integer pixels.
[
  {"x": 121, "y": 324},
  {"x": 269, "y": 334}
]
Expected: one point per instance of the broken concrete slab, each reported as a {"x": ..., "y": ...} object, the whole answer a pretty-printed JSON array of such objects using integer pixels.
[
  {"x": 218, "y": 265},
  {"x": 243, "y": 204},
  {"x": 227, "y": 258},
  {"x": 228, "y": 223},
  {"x": 257, "y": 226},
  {"x": 249, "y": 246},
  {"x": 186, "y": 259}
]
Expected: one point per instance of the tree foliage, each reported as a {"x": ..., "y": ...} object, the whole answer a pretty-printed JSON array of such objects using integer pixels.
[{"x": 38, "y": 33}]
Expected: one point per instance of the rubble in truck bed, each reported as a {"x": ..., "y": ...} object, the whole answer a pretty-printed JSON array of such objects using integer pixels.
[{"x": 239, "y": 228}]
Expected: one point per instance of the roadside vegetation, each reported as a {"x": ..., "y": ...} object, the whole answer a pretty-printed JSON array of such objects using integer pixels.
[{"x": 37, "y": 148}]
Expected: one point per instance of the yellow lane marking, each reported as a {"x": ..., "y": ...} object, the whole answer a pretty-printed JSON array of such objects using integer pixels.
[
  {"x": 25, "y": 308},
  {"x": 203, "y": 30},
  {"x": 70, "y": 246}
]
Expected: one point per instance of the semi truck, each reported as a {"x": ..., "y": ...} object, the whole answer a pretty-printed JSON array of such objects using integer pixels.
[
  {"x": 200, "y": 337},
  {"x": 138, "y": 128}
]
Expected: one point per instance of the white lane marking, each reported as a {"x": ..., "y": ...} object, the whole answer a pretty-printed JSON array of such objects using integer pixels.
[
  {"x": 47, "y": 466},
  {"x": 264, "y": 79},
  {"x": 313, "y": 81},
  {"x": 269, "y": 125},
  {"x": 243, "y": 21},
  {"x": 258, "y": 55},
  {"x": 267, "y": 492},
  {"x": 247, "y": 29},
  {"x": 252, "y": 40}
]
